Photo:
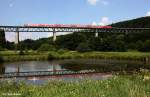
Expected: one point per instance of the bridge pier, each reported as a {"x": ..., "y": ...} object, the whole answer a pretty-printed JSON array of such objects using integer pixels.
[
  {"x": 17, "y": 37},
  {"x": 54, "y": 35},
  {"x": 96, "y": 33}
]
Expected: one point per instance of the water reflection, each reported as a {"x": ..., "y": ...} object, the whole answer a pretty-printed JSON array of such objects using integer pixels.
[
  {"x": 104, "y": 68},
  {"x": 105, "y": 65},
  {"x": 2, "y": 69},
  {"x": 73, "y": 65}
]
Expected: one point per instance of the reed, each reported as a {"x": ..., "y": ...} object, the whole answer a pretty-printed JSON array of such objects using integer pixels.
[{"x": 117, "y": 86}]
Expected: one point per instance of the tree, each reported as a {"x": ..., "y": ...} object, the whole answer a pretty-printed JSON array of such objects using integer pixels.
[
  {"x": 96, "y": 43},
  {"x": 46, "y": 47},
  {"x": 120, "y": 46},
  {"x": 1, "y": 48},
  {"x": 70, "y": 41},
  {"x": 139, "y": 45},
  {"x": 83, "y": 47},
  {"x": 2, "y": 39},
  {"x": 146, "y": 46}
]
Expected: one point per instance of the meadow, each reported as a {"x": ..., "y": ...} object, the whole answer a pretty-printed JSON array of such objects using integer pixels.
[
  {"x": 34, "y": 55},
  {"x": 117, "y": 86}
]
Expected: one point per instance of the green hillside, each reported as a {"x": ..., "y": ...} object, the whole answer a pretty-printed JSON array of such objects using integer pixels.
[{"x": 143, "y": 22}]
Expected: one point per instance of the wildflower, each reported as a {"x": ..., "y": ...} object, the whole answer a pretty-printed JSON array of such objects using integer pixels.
[{"x": 146, "y": 77}]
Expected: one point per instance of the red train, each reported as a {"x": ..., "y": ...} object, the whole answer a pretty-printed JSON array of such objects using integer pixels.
[{"x": 67, "y": 26}]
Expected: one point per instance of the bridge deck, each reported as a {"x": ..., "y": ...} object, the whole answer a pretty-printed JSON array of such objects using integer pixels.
[{"x": 68, "y": 29}]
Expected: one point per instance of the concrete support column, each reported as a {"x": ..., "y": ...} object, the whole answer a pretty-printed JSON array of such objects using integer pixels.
[
  {"x": 54, "y": 35},
  {"x": 96, "y": 33},
  {"x": 17, "y": 37}
]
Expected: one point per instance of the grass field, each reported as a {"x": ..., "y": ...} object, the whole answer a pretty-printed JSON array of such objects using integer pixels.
[
  {"x": 118, "y": 86},
  {"x": 33, "y": 55}
]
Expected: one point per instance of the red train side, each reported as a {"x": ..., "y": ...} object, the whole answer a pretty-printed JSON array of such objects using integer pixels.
[{"x": 69, "y": 26}]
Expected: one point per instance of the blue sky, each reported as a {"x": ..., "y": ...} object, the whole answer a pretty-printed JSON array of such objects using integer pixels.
[{"x": 100, "y": 12}]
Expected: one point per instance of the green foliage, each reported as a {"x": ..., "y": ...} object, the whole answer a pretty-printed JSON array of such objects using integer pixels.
[
  {"x": 132, "y": 46},
  {"x": 120, "y": 46},
  {"x": 1, "y": 59},
  {"x": 142, "y": 22},
  {"x": 51, "y": 56},
  {"x": 139, "y": 45},
  {"x": 46, "y": 47},
  {"x": 70, "y": 41},
  {"x": 33, "y": 55},
  {"x": 83, "y": 47},
  {"x": 147, "y": 45},
  {"x": 144, "y": 46},
  {"x": 1, "y": 48},
  {"x": 21, "y": 52},
  {"x": 62, "y": 51},
  {"x": 2, "y": 38}
]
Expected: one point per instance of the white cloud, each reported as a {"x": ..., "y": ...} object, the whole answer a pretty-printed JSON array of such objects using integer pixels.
[
  {"x": 94, "y": 23},
  {"x": 11, "y": 5},
  {"x": 148, "y": 13},
  {"x": 104, "y": 21},
  {"x": 105, "y": 2},
  {"x": 92, "y": 2}
]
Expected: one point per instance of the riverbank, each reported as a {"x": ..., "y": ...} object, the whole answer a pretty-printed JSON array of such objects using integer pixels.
[
  {"x": 117, "y": 86},
  {"x": 8, "y": 56}
]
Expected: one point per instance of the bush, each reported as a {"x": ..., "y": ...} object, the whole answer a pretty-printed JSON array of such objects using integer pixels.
[
  {"x": 132, "y": 46},
  {"x": 139, "y": 45},
  {"x": 46, "y": 47},
  {"x": 1, "y": 49},
  {"x": 51, "y": 56},
  {"x": 1, "y": 59},
  {"x": 83, "y": 47},
  {"x": 62, "y": 51},
  {"x": 21, "y": 52},
  {"x": 145, "y": 47},
  {"x": 120, "y": 46}
]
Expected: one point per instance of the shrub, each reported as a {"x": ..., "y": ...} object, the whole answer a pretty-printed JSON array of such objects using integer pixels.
[
  {"x": 139, "y": 45},
  {"x": 83, "y": 47},
  {"x": 132, "y": 46},
  {"x": 145, "y": 47},
  {"x": 46, "y": 47},
  {"x": 51, "y": 56},
  {"x": 21, "y": 52},
  {"x": 1, "y": 59},
  {"x": 120, "y": 46},
  {"x": 1, "y": 49},
  {"x": 62, "y": 51}
]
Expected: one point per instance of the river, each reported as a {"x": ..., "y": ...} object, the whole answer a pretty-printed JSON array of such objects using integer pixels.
[{"x": 105, "y": 69}]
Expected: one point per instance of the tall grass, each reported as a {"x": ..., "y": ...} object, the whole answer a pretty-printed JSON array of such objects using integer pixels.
[
  {"x": 33, "y": 55},
  {"x": 118, "y": 86}
]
